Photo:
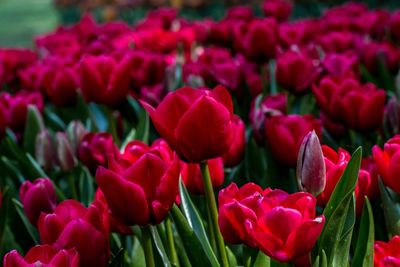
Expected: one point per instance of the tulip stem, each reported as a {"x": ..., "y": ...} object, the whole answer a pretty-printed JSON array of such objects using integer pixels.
[
  {"x": 171, "y": 244},
  {"x": 147, "y": 246},
  {"x": 212, "y": 206}
]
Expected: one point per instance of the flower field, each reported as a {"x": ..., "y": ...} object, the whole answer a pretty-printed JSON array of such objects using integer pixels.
[{"x": 254, "y": 140}]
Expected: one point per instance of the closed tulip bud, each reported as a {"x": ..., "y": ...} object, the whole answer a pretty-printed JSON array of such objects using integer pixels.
[
  {"x": 65, "y": 155},
  {"x": 392, "y": 116},
  {"x": 37, "y": 197},
  {"x": 75, "y": 130},
  {"x": 44, "y": 150},
  {"x": 43, "y": 255},
  {"x": 310, "y": 172}
]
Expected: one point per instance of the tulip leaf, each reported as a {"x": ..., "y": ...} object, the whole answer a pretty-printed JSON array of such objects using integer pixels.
[
  {"x": 137, "y": 255},
  {"x": 231, "y": 257},
  {"x": 130, "y": 137},
  {"x": 262, "y": 260},
  {"x": 160, "y": 247},
  {"x": 195, "y": 222},
  {"x": 321, "y": 260},
  {"x": 54, "y": 120},
  {"x": 143, "y": 127},
  {"x": 29, "y": 227},
  {"x": 195, "y": 251},
  {"x": 98, "y": 117},
  {"x": 184, "y": 259},
  {"x": 346, "y": 184},
  {"x": 33, "y": 125},
  {"x": 364, "y": 253},
  {"x": 86, "y": 187},
  {"x": 391, "y": 210},
  {"x": 4, "y": 210},
  {"x": 13, "y": 169}
]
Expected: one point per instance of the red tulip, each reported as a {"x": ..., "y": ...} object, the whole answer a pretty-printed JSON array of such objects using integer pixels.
[
  {"x": 192, "y": 177},
  {"x": 115, "y": 226},
  {"x": 285, "y": 135},
  {"x": 341, "y": 65},
  {"x": 360, "y": 107},
  {"x": 336, "y": 162},
  {"x": 295, "y": 71},
  {"x": 337, "y": 41},
  {"x": 16, "y": 107},
  {"x": 143, "y": 177},
  {"x": 37, "y": 197},
  {"x": 103, "y": 79},
  {"x": 197, "y": 124},
  {"x": 387, "y": 161},
  {"x": 236, "y": 207},
  {"x": 287, "y": 227},
  {"x": 395, "y": 25},
  {"x": 260, "y": 40},
  {"x": 74, "y": 226},
  {"x": 373, "y": 52},
  {"x": 279, "y": 9},
  {"x": 60, "y": 83},
  {"x": 269, "y": 105},
  {"x": 12, "y": 60},
  {"x": 235, "y": 153},
  {"x": 94, "y": 149},
  {"x": 43, "y": 255},
  {"x": 387, "y": 254}
]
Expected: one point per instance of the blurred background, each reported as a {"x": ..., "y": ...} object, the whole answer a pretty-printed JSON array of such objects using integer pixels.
[{"x": 21, "y": 20}]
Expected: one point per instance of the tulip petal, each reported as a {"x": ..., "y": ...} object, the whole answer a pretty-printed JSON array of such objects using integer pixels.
[
  {"x": 205, "y": 130},
  {"x": 126, "y": 200}
]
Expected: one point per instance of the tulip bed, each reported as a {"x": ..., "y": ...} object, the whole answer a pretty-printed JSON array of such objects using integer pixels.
[{"x": 249, "y": 141}]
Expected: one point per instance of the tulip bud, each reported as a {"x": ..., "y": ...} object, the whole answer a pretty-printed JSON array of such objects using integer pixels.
[
  {"x": 392, "y": 116},
  {"x": 310, "y": 172},
  {"x": 37, "y": 197},
  {"x": 76, "y": 130},
  {"x": 44, "y": 150},
  {"x": 65, "y": 155}
]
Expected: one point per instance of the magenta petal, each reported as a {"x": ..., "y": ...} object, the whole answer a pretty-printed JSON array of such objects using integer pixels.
[{"x": 281, "y": 222}]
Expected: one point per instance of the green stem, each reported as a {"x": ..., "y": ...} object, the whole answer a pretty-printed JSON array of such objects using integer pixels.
[
  {"x": 211, "y": 231},
  {"x": 171, "y": 244},
  {"x": 212, "y": 206},
  {"x": 147, "y": 246},
  {"x": 72, "y": 186}
]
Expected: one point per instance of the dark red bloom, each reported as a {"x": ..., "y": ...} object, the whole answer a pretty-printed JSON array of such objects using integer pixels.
[
  {"x": 359, "y": 106},
  {"x": 236, "y": 208},
  {"x": 12, "y": 61},
  {"x": 43, "y": 255},
  {"x": 387, "y": 254},
  {"x": 95, "y": 148},
  {"x": 279, "y": 9},
  {"x": 74, "y": 226},
  {"x": 285, "y": 134},
  {"x": 103, "y": 79},
  {"x": 295, "y": 71},
  {"x": 235, "y": 153},
  {"x": 37, "y": 197},
  {"x": 388, "y": 161},
  {"x": 142, "y": 176},
  {"x": 197, "y": 124},
  {"x": 260, "y": 40}
]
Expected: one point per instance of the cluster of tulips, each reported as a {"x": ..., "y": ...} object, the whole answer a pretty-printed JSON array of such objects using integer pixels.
[{"x": 249, "y": 141}]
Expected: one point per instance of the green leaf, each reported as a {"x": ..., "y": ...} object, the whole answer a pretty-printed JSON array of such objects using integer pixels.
[
  {"x": 364, "y": 253},
  {"x": 29, "y": 227},
  {"x": 231, "y": 257},
  {"x": 339, "y": 213},
  {"x": 391, "y": 209},
  {"x": 160, "y": 247},
  {"x": 143, "y": 127},
  {"x": 54, "y": 120},
  {"x": 195, "y": 222},
  {"x": 341, "y": 255},
  {"x": 346, "y": 184},
  {"x": 34, "y": 124},
  {"x": 36, "y": 167},
  {"x": 195, "y": 251},
  {"x": 13, "y": 169},
  {"x": 262, "y": 260},
  {"x": 321, "y": 260},
  {"x": 130, "y": 137},
  {"x": 98, "y": 117},
  {"x": 86, "y": 187},
  {"x": 137, "y": 256}
]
